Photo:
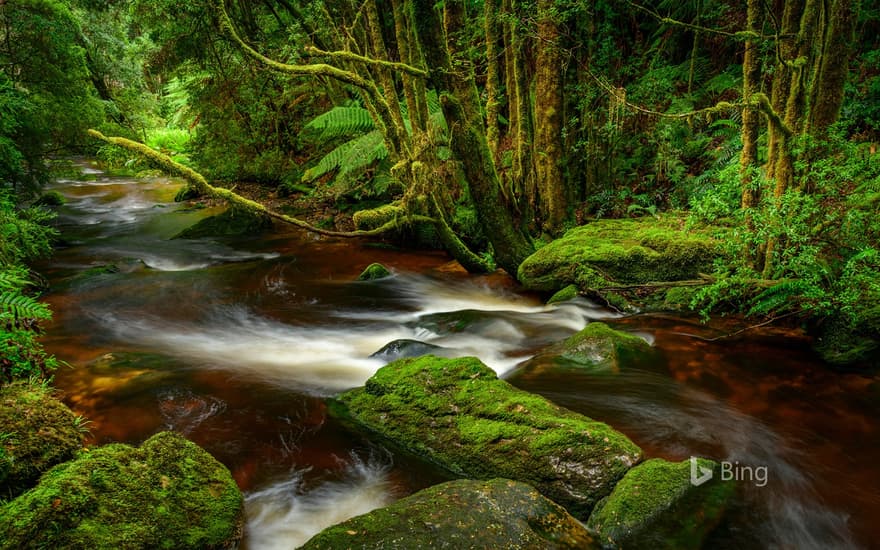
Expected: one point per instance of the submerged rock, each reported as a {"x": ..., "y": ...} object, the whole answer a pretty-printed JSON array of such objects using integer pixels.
[
  {"x": 403, "y": 348},
  {"x": 459, "y": 415},
  {"x": 167, "y": 493},
  {"x": 373, "y": 272},
  {"x": 462, "y": 514},
  {"x": 36, "y": 432},
  {"x": 233, "y": 222},
  {"x": 600, "y": 346},
  {"x": 610, "y": 253},
  {"x": 656, "y": 505}
]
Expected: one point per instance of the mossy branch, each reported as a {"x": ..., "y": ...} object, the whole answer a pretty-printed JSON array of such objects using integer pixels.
[
  {"x": 351, "y": 56},
  {"x": 738, "y": 35},
  {"x": 762, "y": 102},
  {"x": 200, "y": 184}
]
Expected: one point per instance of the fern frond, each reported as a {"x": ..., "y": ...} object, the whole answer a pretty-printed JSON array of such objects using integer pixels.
[
  {"x": 781, "y": 297},
  {"x": 339, "y": 122},
  {"x": 349, "y": 157},
  {"x": 17, "y": 306}
]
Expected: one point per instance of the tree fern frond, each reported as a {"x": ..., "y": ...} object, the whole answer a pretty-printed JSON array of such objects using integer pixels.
[
  {"x": 349, "y": 157},
  {"x": 339, "y": 122}
]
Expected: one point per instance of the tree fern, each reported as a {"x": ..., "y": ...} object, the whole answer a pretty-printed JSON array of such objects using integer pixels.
[
  {"x": 340, "y": 122},
  {"x": 18, "y": 307},
  {"x": 781, "y": 297}
]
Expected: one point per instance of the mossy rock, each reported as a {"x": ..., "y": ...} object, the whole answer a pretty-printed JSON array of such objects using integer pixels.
[
  {"x": 568, "y": 293},
  {"x": 373, "y": 272},
  {"x": 36, "y": 432},
  {"x": 843, "y": 344},
  {"x": 462, "y": 514},
  {"x": 51, "y": 199},
  {"x": 656, "y": 505},
  {"x": 233, "y": 222},
  {"x": 186, "y": 193},
  {"x": 600, "y": 346},
  {"x": 457, "y": 414},
  {"x": 167, "y": 493},
  {"x": 608, "y": 253}
]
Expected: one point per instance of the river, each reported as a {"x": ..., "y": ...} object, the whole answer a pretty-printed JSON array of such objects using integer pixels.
[{"x": 235, "y": 342}]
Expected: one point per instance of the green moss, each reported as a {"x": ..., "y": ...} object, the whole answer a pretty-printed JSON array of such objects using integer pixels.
[
  {"x": 38, "y": 432},
  {"x": 186, "y": 193},
  {"x": 456, "y": 413},
  {"x": 373, "y": 272},
  {"x": 168, "y": 493},
  {"x": 462, "y": 514},
  {"x": 600, "y": 346},
  {"x": 51, "y": 198},
  {"x": 568, "y": 293},
  {"x": 233, "y": 222},
  {"x": 608, "y": 253},
  {"x": 377, "y": 217},
  {"x": 655, "y": 505}
]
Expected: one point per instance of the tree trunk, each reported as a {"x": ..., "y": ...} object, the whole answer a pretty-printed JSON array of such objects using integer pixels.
[
  {"x": 463, "y": 115},
  {"x": 750, "y": 116},
  {"x": 833, "y": 67},
  {"x": 549, "y": 108}
]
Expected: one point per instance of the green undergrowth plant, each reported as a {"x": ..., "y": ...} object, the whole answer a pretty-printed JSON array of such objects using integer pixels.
[{"x": 24, "y": 235}]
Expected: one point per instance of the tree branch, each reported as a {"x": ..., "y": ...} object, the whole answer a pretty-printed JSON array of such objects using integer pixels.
[
  {"x": 200, "y": 184},
  {"x": 351, "y": 56}
]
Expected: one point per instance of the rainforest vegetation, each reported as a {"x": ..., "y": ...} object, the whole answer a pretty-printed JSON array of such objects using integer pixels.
[{"x": 709, "y": 157}]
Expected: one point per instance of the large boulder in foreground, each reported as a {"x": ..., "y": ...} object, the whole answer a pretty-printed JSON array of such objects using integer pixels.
[
  {"x": 610, "y": 253},
  {"x": 167, "y": 493},
  {"x": 36, "y": 432},
  {"x": 656, "y": 505},
  {"x": 462, "y": 514},
  {"x": 459, "y": 415}
]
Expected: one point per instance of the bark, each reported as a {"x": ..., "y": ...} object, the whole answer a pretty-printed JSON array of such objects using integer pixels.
[
  {"x": 828, "y": 90},
  {"x": 493, "y": 81},
  {"x": 549, "y": 108},
  {"x": 750, "y": 115},
  {"x": 468, "y": 135}
]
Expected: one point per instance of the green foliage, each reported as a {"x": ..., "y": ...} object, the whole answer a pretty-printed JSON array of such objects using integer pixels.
[{"x": 23, "y": 236}]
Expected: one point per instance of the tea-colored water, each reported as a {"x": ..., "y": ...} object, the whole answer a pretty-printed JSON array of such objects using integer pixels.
[{"x": 234, "y": 343}]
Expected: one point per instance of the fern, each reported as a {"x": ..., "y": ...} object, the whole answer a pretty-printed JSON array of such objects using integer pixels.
[
  {"x": 19, "y": 307},
  {"x": 779, "y": 298},
  {"x": 340, "y": 122}
]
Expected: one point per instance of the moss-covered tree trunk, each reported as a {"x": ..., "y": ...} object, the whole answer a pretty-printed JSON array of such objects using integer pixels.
[
  {"x": 828, "y": 91},
  {"x": 461, "y": 106},
  {"x": 493, "y": 79},
  {"x": 750, "y": 116},
  {"x": 549, "y": 106}
]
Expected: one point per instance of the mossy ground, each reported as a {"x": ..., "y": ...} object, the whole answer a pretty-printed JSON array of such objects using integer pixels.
[
  {"x": 462, "y": 514},
  {"x": 36, "y": 432},
  {"x": 655, "y": 505},
  {"x": 612, "y": 253},
  {"x": 168, "y": 493},
  {"x": 459, "y": 415}
]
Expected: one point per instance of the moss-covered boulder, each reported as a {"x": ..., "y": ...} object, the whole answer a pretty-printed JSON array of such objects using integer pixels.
[
  {"x": 656, "y": 505},
  {"x": 167, "y": 493},
  {"x": 462, "y": 514},
  {"x": 459, "y": 415},
  {"x": 51, "y": 199},
  {"x": 233, "y": 222},
  {"x": 373, "y": 272},
  {"x": 600, "y": 346},
  {"x": 610, "y": 253},
  {"x": 568, "y": 293},
  {"x": 36, "y": 432}
]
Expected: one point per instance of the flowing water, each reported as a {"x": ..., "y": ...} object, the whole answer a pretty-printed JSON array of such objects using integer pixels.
[{"x": 234, "y": 343}]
